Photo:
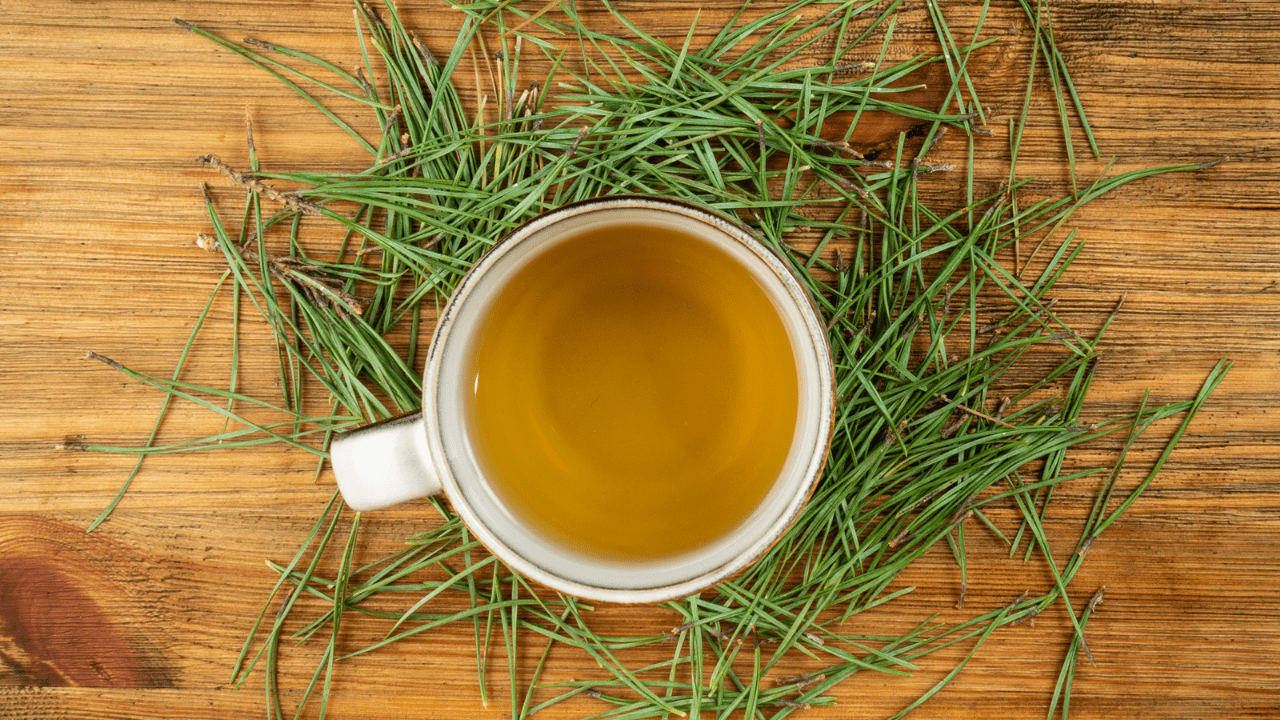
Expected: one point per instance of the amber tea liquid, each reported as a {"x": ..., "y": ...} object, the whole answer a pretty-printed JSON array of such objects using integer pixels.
[{"x": 635, "y": 393}]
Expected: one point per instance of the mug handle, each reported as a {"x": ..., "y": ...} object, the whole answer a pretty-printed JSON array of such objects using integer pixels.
[{"x": 384, "y": 464}]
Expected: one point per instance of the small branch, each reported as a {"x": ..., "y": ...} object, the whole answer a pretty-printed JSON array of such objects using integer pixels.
[
  {"x": 320, "y": 288},
  {"x": 573, "y": 149},
  {"x": 251, "y": 181},
  {"x": 1097, "y": 599},
  {"x": 91, "y": 355},
  {"x": 802, "y": 680},
  {"x": 985, "y": 416},
  {"x": 257, "y": 43}
]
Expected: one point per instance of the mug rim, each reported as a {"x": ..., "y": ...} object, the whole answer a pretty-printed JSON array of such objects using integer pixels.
[{"x": 753, "y": 549}]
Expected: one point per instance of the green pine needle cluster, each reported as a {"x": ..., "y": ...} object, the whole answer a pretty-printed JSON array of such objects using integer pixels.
[{"x": 924, "y": 440}]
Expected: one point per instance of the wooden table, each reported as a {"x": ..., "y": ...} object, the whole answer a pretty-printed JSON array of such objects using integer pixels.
[{"x": 104, "y": 105}]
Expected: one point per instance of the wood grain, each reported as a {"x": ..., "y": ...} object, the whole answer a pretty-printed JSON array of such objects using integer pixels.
[{"x": 105, "y": 105}]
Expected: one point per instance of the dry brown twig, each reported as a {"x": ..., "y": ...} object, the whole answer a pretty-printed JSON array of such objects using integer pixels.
[
  {"x": 321, "y": 289},
  {"x": 247, "y": 179}
]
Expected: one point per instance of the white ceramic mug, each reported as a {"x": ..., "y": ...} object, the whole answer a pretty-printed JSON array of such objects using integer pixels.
[{"x": 428, "y": 452}]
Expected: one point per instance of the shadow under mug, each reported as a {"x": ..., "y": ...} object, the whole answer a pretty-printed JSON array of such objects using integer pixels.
[{"x": 428, "y": 452}]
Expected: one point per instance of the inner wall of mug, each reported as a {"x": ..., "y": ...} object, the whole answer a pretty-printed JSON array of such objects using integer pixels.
[{"x": 554, "y": 563}]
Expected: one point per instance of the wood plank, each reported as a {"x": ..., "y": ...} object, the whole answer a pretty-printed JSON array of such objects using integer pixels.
[{"x": 106, "y": 104}]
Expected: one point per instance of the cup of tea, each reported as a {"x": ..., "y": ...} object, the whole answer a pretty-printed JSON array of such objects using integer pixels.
[{"x": 627, "y": 399}]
